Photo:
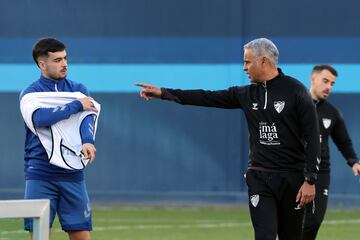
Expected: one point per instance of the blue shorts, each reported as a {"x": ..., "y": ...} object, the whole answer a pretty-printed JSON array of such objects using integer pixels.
[{"x": 67, "y": 199}]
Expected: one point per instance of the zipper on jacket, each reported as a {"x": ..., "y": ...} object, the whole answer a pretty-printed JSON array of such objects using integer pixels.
[
  {"x": 56, "y": 90},
  {"x": 265, "y": 103}
]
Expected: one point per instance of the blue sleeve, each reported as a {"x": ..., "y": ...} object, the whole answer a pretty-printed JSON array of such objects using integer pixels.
[
  {"x": 87, "y": 129},
  {"x": 87, "y": 126},
  {"x": 83, "y": 90},
  {"x": 45, "y": 117}
]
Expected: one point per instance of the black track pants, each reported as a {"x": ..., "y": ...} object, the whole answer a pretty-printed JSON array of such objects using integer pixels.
[
  {"x": 314, "y": 215},
  {"x": 273, "y": 209}
]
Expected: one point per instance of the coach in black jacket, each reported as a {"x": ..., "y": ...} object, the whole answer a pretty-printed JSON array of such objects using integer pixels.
[
  {"x": 284, "y": 138},
  {"x": 331, "y": 124}
]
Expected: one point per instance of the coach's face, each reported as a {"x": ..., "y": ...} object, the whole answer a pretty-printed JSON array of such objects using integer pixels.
[
  {"x": 54, "y": 66},
  {"x": 322, "y": 83},
  {"x": 253, "y": 66}
]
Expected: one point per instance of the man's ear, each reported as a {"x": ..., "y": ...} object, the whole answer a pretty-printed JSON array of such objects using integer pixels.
[
  {"x": 312, "y": 78},
  {"x": 41, "y": 64},
  {"x": 264, "y": 59}
]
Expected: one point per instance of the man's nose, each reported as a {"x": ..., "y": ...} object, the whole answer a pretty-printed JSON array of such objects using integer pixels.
[
  {"x": 244, "y": 67},
  {"x": 329, "y": 87}
]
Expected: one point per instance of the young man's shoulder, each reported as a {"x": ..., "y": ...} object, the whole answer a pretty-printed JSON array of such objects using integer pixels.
[
  {"x": 33, "y": 87},
  {"x": 77, "y": 87},
  {"x": 328, "y": 107}
]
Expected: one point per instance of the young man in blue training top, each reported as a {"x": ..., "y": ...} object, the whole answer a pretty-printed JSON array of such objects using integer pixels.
[{"x": 64, "y": 187}]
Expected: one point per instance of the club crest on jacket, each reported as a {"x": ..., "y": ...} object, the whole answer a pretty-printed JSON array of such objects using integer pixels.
[
  {"x": 326, "y": 122},
  {"x": 279, "y": 106}
]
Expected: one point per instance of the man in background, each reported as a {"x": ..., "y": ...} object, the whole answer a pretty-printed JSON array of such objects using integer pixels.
[{"x": 331, "y": 123}]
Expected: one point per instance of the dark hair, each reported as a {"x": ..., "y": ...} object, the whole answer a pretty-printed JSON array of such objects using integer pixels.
[
  {"x": 44, "y": 46},
  {"x": 320, "y": 67}
]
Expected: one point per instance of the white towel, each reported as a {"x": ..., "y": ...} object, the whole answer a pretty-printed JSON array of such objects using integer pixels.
[{"x": 62, "y": 140}]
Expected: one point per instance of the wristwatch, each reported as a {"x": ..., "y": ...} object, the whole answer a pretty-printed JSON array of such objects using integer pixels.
[{"x": 310, "y": 178}]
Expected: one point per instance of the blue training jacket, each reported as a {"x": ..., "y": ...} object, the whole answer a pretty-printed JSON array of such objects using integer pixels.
[{"x": 37, "y": 166}]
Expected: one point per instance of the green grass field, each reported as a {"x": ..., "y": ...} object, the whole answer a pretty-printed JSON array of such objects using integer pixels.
[{"x": 177, "y": 223}]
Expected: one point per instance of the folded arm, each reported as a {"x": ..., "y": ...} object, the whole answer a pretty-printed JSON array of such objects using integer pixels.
[{"x": 45, "y": 117}]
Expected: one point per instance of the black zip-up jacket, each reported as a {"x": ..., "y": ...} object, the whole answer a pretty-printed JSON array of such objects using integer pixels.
[
  {"x": 331, "y": 123},
  {"x": 281, "y": 116}
]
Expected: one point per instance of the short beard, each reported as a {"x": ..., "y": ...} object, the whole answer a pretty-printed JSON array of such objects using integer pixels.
[{"x": 57, "y": 78}]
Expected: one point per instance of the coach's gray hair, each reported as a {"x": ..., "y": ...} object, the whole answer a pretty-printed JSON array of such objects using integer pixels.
[{"x": 264, "y": 47}]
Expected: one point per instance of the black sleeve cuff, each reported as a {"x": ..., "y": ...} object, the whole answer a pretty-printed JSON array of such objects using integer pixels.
[
  {"x": 167, "y": 95},
  {"x": 352, "y": 161},
  {"x": 310, "y": 177}
]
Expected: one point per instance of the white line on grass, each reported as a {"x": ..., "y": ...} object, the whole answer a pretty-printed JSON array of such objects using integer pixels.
[
  {"x": 167, "y": 226},
  {"x": 184, "y": 226},
  {"x": 156, "y": 220},
  {"x": 204, "y": 225},
  {"x": 341, "y": 221}
]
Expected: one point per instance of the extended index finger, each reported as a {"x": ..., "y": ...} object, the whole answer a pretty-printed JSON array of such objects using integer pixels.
[{"x": 142, "y": 85}]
